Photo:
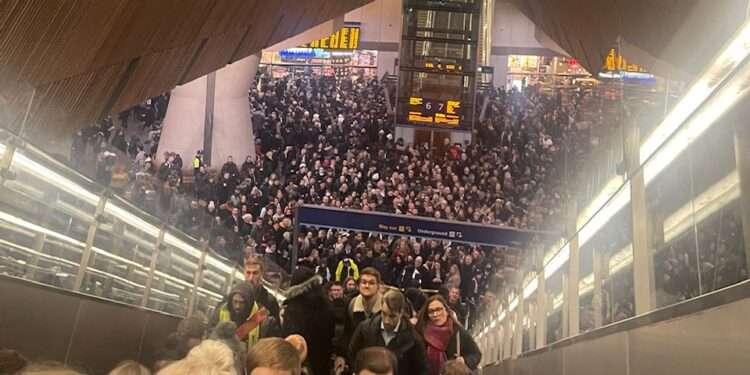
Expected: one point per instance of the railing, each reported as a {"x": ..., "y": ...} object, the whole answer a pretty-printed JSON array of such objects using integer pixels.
[
  {"x": 59, "y": 228},
  {"x": 667, "y": 227}
]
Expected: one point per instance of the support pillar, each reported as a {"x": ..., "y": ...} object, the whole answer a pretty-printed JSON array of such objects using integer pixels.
[
  {"x": 565, "y": 309},
  {"x": 572, "y": 300},
  {"x": 152, "y": 267},
  {"x": 742, "y": 155},
  {"x": 507, "y": 333},
  {"x": 541, "y": 310},
  {"x": 229, "y": 126},
  {"x": 643, "y": 262},
  {"x": 601, "y": 266},
  {"x": 88, "y": 250},
  {"x": 518, "y": 331}
]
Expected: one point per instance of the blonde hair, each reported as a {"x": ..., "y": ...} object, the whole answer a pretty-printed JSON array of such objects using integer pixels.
[
  {"x": 129, "y": 368},
  {"x": 274, "y": 353},
  {"x": 254, "y": 260},
  {"x": 211, "y": 357},
  {"x": 48, "y": 368}
]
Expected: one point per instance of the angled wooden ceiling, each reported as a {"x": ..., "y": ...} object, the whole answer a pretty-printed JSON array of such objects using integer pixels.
[
  {"x": 87, "y": 58},
  {"x": 672, "y": 38}
]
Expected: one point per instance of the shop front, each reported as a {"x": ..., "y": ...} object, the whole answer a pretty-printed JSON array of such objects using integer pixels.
[
  {"x": 552, "y": 72},
  {"x": 337, "y": 55}
]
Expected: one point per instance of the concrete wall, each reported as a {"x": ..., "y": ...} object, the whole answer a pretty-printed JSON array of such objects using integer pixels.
[
  {"x": 515, "y": 34},
  {"x": 46, "y": 323},
  {"x": 381, "y": 23},
  {"x": 706, "y": 341}
]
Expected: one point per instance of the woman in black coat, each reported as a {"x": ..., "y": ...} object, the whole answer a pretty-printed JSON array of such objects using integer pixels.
[
  {"x": 445, "y": 339},
  {"x": 308, "y": 313}
]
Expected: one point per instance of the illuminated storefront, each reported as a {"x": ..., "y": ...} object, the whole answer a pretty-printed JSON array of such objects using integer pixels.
[
  {"x": 335, "y": 56},
  {"x": 549, "y": 71}
]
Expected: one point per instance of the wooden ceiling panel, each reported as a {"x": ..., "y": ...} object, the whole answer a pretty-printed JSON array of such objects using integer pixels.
[{"x": 89, "y": 57}]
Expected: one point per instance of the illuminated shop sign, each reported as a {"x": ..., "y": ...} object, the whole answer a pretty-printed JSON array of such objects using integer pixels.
[
  {"x": 616, "y": 62},
  {"x": 346, "y": 38}
]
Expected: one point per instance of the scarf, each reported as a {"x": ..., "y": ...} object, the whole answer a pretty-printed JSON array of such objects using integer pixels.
[{"x": 437, "y": 339}]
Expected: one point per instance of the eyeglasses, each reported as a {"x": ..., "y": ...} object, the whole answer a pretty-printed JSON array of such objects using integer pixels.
[{"x": 439, "y": 310}]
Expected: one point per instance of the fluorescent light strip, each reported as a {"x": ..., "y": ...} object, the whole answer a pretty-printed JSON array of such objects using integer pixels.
[
  {"x": 513, "y": 304},
  {"x": 707, "y": 115},
  {"x": 530, "y": 288},
  {"x": 706, "y": 204},
  {"x": 602, "y": 218},
  {"x": 73, "y": 264},
  {"x": 55, "y": 180},
  {"x": 729, "y": 58},
  {"x": 722, "y": 67},
  {"x": 599, "y": 201},
  {"x": 557, "y": 261},
  {"x": 22, "y": 223},
  {"x": 172, "y": 240},
  {"x": 131, "y": 219}
]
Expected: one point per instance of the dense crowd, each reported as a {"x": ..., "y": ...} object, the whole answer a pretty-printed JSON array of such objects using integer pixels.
[
  {"x": 370, "y": 329},
  {"x": 332, "y": 143}
]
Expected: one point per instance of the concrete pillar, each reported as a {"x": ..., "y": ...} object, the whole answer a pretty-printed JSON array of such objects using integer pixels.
[
  {"x": 742, "y": 155},
  {"x": 231, "y": 130},
  {"x": 500, "y": 65}
]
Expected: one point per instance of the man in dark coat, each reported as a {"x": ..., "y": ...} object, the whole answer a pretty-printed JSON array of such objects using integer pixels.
[
  {"x": 308, "y": 313},
  {"x": 391, "y": 330},
  {"x": 254, "y": 276}
]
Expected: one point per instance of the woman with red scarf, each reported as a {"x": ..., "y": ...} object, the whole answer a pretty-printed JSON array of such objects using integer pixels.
[{"x": 445, "y": 338}]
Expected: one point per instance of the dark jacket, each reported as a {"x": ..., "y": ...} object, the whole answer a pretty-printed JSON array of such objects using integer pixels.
[
  {"x": 355, "y": 314},
  {"x": 268, "y": 301},
  {"x": 308, "y": 313},
  {"x": 407, "y": 345}
]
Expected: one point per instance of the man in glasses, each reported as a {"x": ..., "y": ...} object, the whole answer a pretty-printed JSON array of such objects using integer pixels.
[{"x": 391, "y": 330}]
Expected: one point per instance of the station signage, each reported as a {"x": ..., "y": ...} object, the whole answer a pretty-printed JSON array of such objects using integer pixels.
[
  {"x": 437, "y": 112},
  {"x": 346, "y": 38},
  {"x": 413, "y": 226}
]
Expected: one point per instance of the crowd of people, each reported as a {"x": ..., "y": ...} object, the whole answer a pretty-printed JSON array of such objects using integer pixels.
[
  {"x": 331, "y": 142},
  {"x": 370, "y": 329}
]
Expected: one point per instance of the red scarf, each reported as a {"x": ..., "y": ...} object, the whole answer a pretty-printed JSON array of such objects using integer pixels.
[{"x": 437, "y": 339}]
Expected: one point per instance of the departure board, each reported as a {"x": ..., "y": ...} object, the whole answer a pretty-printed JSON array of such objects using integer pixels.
[{"x": 434, "y": 112}]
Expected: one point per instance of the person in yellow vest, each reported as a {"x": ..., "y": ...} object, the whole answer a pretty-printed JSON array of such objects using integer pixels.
[
  {"x": 347, "y": 267},
  {"x": 242, "y": 309},
  {"x": 197, "y": 161}
]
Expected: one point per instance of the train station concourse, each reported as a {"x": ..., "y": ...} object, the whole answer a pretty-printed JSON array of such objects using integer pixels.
[{"x": 374, "y": 187}]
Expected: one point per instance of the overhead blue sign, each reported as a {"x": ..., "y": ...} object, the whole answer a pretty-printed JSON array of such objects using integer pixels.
[
  {"x": 303, "y": 53},
  {"x": 414, "y": 226}
]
